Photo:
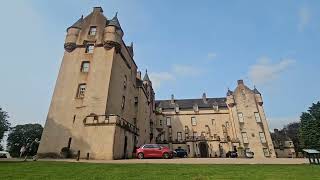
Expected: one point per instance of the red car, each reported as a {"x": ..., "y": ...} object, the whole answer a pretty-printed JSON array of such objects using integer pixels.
[{"x": 154, "y": 151}]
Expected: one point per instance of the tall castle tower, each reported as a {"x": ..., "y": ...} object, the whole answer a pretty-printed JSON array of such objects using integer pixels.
[{"x": 100, "y": 105}]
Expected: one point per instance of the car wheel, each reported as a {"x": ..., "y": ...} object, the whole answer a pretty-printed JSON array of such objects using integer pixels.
[
  {"x": 185, "y": 156},
  {"x": 140, "y": 156},
  {"x": 166, "y": 155}
]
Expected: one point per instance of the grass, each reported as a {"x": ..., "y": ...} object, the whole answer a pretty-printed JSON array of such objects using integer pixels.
[{"x": 67, "y": 170}]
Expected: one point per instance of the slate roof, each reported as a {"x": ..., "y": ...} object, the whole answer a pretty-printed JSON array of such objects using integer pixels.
[
  {"x": 255, "y": 90},
  {"x": 146, "y": 77},
  {"x": 189, "y": 103},
  {"x": 77, "y": 24}
]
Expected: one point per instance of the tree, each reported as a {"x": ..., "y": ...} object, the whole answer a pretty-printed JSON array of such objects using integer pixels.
[
  {"x": 309, "y": 132},
  {"x": 4, "y": 124},
  {"x": 292, "y": 131},
  {"x": 21, "y": 135}
]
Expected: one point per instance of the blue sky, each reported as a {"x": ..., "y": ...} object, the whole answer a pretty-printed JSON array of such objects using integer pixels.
[{"x": 188, "y": 47}]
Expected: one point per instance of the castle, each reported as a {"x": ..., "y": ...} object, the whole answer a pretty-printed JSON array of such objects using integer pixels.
[{"x": 103, "y": 108}]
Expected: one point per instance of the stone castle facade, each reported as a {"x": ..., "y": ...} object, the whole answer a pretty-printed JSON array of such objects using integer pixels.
[{"x": 102, "y": 107}]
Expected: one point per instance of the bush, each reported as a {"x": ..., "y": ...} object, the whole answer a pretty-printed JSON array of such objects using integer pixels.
[{"x": 65, "y": 152}]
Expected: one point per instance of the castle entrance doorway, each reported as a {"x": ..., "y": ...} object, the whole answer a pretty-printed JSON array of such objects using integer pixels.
[{"x": 203, "y": 147}]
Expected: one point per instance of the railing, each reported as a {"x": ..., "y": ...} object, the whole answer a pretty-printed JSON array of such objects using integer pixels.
[{"x": 96, "y": 120}]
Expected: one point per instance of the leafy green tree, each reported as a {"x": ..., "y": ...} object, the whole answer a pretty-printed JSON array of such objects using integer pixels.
[
  {"x": 309, "y": 132},
  {"x": 21, "y": 135},
  {"x": 4, "y": 124},
  {"x": 292, "y": 131}
]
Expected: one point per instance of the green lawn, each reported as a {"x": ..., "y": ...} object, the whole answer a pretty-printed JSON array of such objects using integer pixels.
[{"x": 64, "y": 170}]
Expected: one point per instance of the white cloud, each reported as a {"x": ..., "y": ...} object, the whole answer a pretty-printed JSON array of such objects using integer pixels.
[
  {"x": 264, "y": 71},
  {"x": 177, "y": 71},
  {"x": 158, "y": 78},
  {"x": 186, "y": 70},
  {"x": 304, "y": 18},
  {"x": 212, "y": 55}
]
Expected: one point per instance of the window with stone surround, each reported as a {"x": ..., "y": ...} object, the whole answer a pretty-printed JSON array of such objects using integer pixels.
[
  {"x": 81, "y": 90},
  {"x": 262, "y": 137},
  {"x": 89, "y": 48},
  {"x": 266, "y": 152},
  {"x": 168, "y": 119},
  {"x": 160, "y": 122},
  {"x": 85, "y": 66},
  {"x": 179, "y": 136},
  {"x": 245, "y": 138},
  {"x": 93, "y": 30},
  {"x": 240, "y": 117},
  {"x": 193, "y": 121},
  {"x": 257, "y": 117}
]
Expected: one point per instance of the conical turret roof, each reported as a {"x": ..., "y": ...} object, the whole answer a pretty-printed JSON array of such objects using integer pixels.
[
  {"x": 146, "y": 77},
  {"x": 77, "y": 24},
  {"x": 255, "y": 90},
  {"x": 114, "y": 21}
]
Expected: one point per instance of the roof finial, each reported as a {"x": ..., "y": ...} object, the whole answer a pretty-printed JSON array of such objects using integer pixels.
[
  {"x": 116, "y": 14},
  {"x": 82, "y": 16}
]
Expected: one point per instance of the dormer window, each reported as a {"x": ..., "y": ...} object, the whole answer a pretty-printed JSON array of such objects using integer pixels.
[
  {"x": 196, "y": 108},
  {"x": 177, "y": 109},
  {"x": 93, "y": 30},
  {"x": 89, "y": 48},
  {"x": 215, "y": 107}
]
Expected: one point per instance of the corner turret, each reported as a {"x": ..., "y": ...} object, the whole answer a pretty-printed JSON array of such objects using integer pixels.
[
  {"x": 72, "y": 35},
  {"x": 113, "y": 34}
]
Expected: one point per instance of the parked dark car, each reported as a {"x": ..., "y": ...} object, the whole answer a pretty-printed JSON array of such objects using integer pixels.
[
  {"x": 181, "y": 153},
  {"x": 154, "y": 151}
]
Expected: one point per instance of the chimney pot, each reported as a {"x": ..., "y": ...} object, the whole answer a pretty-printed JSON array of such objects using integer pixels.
[
  {"x": 97, "y": 9},
  {"x": 240, "y": 82}
]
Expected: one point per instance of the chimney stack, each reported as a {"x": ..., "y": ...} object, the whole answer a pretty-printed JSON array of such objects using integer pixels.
[
  {"x": 204, "y": 98},
  {"x": 240, "y": 82},
  {"x": 97, "y": 9}
]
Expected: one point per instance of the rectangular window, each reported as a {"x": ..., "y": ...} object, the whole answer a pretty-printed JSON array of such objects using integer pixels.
[
  {"x": 81, "y": 90},
  {"x": 168, "y": 121},
  {"x": 160, "y": 122},
  {"x": 266, "y": 152},
  {"x": 245, "y": 138},
  {"x": 262, "y": 137},
  {"x": 89, "y": 48},
  {"x": 240, "y": 117},
  {"x": 93, "y": 30},
  {"x": 179, "y": 136},
  {"x": 193, "y": 121},
  {"x": 85, "y": 66},
  {"x": 195, "y": 135},
  {"x": 257, "y": 116},
  {"x": 213, "y": 122}
]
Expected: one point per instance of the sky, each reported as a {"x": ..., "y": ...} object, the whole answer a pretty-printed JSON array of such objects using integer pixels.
[{"x": 188, "y": 47}]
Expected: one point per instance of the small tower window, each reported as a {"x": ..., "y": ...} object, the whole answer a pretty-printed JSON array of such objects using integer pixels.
[
  {"x": 125, "y": 81},
  {"x": 81, "y": 90},
  {"x": 89, "y": 48},
  {"x": 240, "y": 117},
  {"x": 123, "y": 102},
  {"x": 257, "y": 116},
  {"x": 93, "y": 30},
  {"x": 245, "y": 138},
  {"x": 262, "y": 137},
  {"x": 85, "y": 66}
]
